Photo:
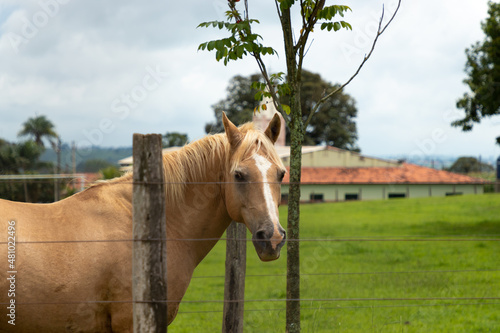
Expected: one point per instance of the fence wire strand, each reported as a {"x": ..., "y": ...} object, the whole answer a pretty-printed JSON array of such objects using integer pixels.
[
  {"x": 249, "y": 240},
  {"x": 268, "y": 300},
  {"x": 347, "y": 307}
]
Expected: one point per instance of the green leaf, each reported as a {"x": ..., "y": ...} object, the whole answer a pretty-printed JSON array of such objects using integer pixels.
[
  {"x": 211, "y": 45},
  {"x": 286, "y": 108},
  {"x": 240, "y": 50},
  {"x": 258, "y": 96},
  {"x": 248, "y": 47},
  {"x": 219, "y": 44},
  {"x": 327, "y": 13},
  {"x": 335, "y": 26},
  {"x": 258, "y": 86},
  {"x": 346, "y": 25},
  {"x": 204, "y": 25},
  {"x": 267, "y": 50},
  {"x": 218, "y": 55},
  {"x": 202, "y": 46},
  {"x": 227, "y": 42}
]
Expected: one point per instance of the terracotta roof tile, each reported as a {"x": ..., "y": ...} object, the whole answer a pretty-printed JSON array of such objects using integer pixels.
[{"x": 404, "y": 174}]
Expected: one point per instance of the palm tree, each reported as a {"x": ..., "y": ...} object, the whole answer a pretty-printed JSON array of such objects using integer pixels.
[{"x": 39, "y": 128}]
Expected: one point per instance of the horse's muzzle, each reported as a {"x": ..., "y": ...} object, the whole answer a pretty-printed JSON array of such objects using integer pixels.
[{"x": 268, "y": 243}]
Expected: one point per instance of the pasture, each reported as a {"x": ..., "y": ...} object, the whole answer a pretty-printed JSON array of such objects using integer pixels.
[{"x": 403, "y": 265}]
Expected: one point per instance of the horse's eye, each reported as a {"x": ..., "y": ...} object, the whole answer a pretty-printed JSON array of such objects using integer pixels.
[
  {"x": 281, "y": 175},
  {"x": 238, "y": 176}
]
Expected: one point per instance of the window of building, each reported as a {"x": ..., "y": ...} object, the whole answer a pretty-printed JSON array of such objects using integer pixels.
[
  {"x": 284, "y": 198},
  {"x": 397, "y": 195},
  {"x": 351, "y": 196},
  {"x": 316, "y": 197},
  {"x": 449, "y": 194}
]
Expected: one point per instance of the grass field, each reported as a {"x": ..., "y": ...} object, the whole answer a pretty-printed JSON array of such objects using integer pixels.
[{"x": 429, "y": 259}]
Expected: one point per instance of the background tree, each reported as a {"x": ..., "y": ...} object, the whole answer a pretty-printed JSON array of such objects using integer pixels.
[
  {"x": 239, "y": 104},
  {"x": 333, "y": 124},
  {"x": 174, "y": 139},
  {"x": 17, "y": 158},
  {"x": 483, "y": 74},
  {"x": 241, "y": 42},
  {"x": 9, "y": 158},
  {"x": 23, "y": 158},
  {"x": 110, "y": 172},
  {"x": 470, "y": 164},
  {"x": 93, "y": 165},
  {"x": 39, "y": 128}
]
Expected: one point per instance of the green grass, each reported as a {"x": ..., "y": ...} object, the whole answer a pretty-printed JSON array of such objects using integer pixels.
[{"x": 366, "y": 270}]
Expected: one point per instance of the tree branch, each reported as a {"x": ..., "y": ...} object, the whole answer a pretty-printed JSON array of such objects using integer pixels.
[
  {"x": 262, "y": 66},
  {"x": 263, "y": 70},
  {"x": 308, "y": 26},
  {"x": 380, "y": 31}
]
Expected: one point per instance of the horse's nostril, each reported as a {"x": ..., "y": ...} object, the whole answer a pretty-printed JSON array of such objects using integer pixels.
[
  {"x": 283, "y": 234},
  {"x": 260, "y": 235}
]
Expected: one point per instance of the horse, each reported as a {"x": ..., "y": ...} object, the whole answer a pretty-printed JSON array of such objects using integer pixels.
[{"x": 72, "y": 261}]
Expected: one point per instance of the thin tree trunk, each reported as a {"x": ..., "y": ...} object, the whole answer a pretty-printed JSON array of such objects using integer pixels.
[
  {"x": 293, "y": 246},
  {"x": 296, "y": 134}
]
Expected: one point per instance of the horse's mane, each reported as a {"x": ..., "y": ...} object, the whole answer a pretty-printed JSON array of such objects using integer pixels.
[
  {"x": 193, "y": 162},
  {"x": 206, "y": 160}
]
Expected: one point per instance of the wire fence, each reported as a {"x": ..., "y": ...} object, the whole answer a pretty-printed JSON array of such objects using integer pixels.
[
  {"x": 328, "y": 240},
  {"x": 338, "y": 302}
]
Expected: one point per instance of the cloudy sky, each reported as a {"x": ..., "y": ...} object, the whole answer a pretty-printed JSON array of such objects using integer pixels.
[{"x": 102, "y": 70}]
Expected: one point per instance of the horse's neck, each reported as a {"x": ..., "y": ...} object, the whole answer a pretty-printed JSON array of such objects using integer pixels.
[{"x": 201, "y": 217}]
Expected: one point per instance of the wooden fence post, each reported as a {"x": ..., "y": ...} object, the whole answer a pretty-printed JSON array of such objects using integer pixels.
[
  {"x": 149, "y": 262},
  {"x": 234, "y": 284}
]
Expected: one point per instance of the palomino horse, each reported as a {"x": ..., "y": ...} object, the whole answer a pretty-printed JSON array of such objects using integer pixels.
[{"x": 73, "y": 258}]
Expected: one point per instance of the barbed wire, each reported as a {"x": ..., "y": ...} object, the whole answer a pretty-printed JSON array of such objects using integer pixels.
[
  {"x": 249, "y": 240},
  {"x": 270, "y": 300},
  {"x": 359, "y": 273},
  {"x": 346, "y": 307},
  {"x": 109, "y": 182}
]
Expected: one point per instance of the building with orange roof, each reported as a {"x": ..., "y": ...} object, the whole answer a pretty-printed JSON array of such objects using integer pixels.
[{"x": 333, "y": 174}]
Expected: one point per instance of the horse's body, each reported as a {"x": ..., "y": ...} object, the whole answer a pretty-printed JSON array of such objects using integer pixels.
[{"x": 87, "y": 286}]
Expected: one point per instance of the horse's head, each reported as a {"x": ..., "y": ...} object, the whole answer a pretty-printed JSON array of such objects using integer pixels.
[{"x": 253, "y": 185}]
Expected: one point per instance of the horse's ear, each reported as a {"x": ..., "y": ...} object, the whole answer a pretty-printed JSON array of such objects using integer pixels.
[
  {"x": 233, "y": 134},
  {"x": 274, "y": 128}
]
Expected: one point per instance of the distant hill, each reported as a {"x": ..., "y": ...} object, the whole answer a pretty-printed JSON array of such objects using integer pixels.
[
  {"x": 437, "y": 161},
  {"x": 110, "y": 155}
]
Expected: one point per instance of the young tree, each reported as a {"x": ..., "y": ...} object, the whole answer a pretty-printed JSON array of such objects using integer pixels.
[
  {"x": 483, "y": 71},
  {"x": 241, "y": 42}
]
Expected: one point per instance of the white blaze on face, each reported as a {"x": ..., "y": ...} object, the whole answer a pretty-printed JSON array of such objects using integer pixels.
[{"x": 264, "y": 165}]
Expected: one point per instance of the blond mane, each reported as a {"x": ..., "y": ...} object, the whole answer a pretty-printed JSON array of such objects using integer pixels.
[{"x": 211, "y": 154}]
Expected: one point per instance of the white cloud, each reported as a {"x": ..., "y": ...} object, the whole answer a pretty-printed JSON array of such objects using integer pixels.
[{"x": 90, "y": 53}]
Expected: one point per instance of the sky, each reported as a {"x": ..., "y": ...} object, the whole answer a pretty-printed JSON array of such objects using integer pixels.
[{"x": 103, "y": 70}]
